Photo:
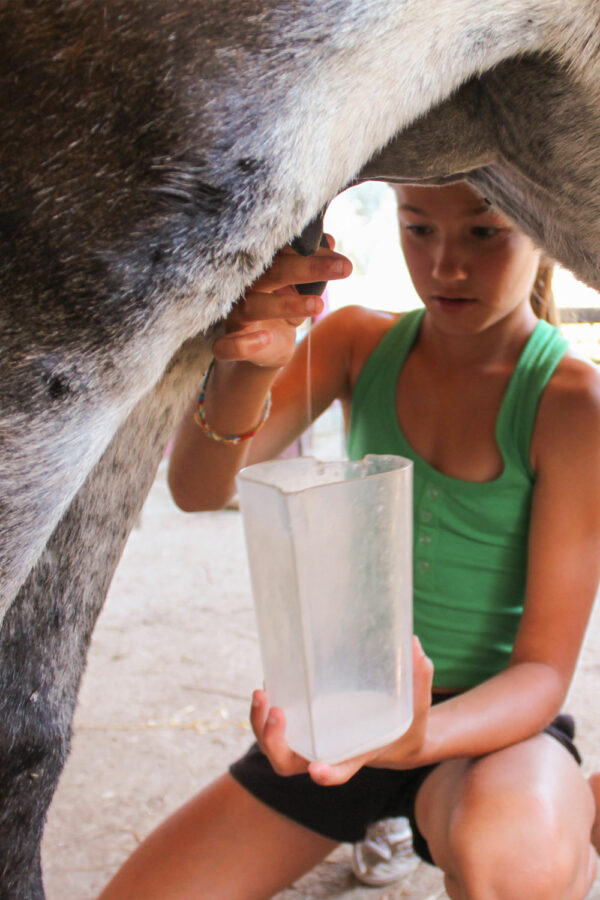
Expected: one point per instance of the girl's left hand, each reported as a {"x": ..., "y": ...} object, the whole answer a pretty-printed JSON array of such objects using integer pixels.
[{"x": 269, "y": 728}]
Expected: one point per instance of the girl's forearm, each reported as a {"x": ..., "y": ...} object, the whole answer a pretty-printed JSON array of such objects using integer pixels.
[
  {"x": 235, "y": 396},
  {"x": 258, "y": 342},
  {"x": 202, "y": 470},
  {"x": 513, "y": 706}
]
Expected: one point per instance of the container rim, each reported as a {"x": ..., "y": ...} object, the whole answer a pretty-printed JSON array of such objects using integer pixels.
[{"x": 251, "y": 473}]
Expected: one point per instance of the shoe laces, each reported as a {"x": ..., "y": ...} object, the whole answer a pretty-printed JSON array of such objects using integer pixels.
[{"x": 382, "y": 837}]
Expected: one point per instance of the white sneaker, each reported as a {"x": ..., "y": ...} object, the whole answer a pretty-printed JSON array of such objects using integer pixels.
[{"x": 386, "y": 854}]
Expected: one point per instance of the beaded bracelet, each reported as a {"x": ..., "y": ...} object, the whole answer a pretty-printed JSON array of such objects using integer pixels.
[{"x": 232, "y": 439}]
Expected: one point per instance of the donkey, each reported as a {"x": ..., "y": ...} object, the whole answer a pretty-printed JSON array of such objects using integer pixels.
[{"x": 155, "y": 155}]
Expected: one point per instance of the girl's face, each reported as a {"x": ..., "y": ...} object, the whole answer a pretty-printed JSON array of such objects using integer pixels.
[{"x": 470, "y": 266}]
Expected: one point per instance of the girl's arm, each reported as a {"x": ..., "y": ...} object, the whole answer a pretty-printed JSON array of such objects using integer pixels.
[{"x": 259, "y": 342}]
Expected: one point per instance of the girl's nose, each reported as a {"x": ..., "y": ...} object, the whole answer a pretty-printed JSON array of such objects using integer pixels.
[{"x": 448, "y": 263}]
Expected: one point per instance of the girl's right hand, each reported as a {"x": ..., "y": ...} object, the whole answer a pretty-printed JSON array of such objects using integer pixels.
[{"x": 261, "y": 328}]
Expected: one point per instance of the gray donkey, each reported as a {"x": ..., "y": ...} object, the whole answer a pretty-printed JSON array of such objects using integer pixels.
[{"x": 155, "y": 155}]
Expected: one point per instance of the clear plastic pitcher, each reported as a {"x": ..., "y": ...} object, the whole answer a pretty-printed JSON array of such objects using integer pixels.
[{"x": 330, "y": 552}]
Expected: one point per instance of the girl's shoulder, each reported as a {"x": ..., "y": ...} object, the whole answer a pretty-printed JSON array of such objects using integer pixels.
[
  {"x": 569, "y": 410},
  {"x": 575, "y": 381},
  {"x": 360, "y": 330}
]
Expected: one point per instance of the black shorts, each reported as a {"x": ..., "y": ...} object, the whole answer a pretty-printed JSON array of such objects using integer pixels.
[{"x": 344, "y": 812}]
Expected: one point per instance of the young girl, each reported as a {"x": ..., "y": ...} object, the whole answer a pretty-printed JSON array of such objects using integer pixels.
[{"x": 503, "y": 425}]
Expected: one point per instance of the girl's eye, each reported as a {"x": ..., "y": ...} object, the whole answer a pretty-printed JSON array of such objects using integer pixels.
[
  {"x": 485, "y": 231},
  {"x": 419, "y": 230}
]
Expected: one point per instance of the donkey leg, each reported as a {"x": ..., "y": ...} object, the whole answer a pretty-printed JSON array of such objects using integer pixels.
[
  {"x": 35, "y": 716},
  {"x": 46, "y": 633}
]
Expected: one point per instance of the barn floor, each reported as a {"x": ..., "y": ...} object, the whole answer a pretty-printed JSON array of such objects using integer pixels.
[{"x": 163, "y": 708}]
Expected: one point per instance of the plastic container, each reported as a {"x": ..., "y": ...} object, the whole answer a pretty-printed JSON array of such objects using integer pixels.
[{"x": 330, "y": 553}]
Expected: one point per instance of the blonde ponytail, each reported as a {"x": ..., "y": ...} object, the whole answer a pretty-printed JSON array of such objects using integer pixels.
[{"x": 542, "y": 296}]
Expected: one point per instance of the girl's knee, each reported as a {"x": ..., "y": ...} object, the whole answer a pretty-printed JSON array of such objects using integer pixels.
[{"x": 515, "y": 847}]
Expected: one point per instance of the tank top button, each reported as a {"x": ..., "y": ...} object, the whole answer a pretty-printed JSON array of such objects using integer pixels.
[
  {"x": 424, "y": 566},
  {"x": 424, "y": 540},
  {"x": 432, "y": 492},
  {"x": 426, "y": 515}
]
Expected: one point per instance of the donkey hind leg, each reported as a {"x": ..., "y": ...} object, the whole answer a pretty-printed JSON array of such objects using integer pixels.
[
  {"x": 34, "y": 737},
  {"x": 46, "y": 633}
]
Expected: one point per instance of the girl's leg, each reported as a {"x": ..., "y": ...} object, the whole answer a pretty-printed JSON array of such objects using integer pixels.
[
  {"x": 514, "y": 825},
  {"x": 595, "y": 786},
  {"x": 223, "y": 844}
]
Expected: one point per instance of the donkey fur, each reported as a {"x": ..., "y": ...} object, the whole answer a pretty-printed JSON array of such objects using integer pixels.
[{"x": 155, "y": 155}]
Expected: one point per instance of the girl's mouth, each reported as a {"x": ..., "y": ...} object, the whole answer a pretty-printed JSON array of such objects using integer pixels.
[{"x": 450, "y": 303}]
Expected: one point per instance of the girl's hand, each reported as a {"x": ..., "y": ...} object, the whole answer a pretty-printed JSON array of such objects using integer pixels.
[
  {"x": 269, "y": 727},
  {"x": 261, "y": 328},
  {"x": 407, "y": 751}
]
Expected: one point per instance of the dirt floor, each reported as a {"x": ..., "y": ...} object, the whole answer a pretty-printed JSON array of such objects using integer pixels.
[{"x": 163, "y": 708}]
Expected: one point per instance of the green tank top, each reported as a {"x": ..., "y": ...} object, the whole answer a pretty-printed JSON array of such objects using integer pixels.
[{"x": 470, "y": 538}]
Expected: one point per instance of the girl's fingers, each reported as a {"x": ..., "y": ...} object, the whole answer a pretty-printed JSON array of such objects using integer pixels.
[
  {"x": 269, "y": 729},
  {"x": 259, "y": 306},
  {"x": 422, "y": 678},
  {"x": 242, "y": 344},
  {"x": 422, "y": 686},
  {"x": 259, "y": 711},
  {"x": 273, "y": 743},
  {"x": 268, "y": 726},
  {"x": 271, "y": 347},
  {"x": 289, "y": 267},
  {"x": 262, "y": 328},
  {"x": 340, "y": 773}
]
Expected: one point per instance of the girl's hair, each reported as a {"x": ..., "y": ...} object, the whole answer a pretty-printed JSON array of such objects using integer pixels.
[{"x": 542, "y": 296}]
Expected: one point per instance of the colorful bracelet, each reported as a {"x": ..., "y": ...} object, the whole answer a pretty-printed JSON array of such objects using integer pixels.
[{"x": 232, "y": 439}]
